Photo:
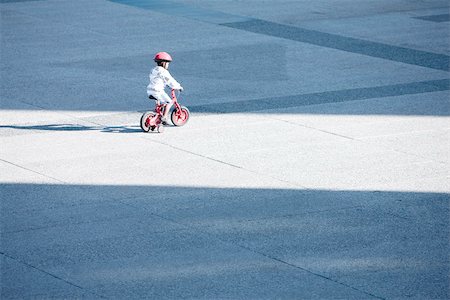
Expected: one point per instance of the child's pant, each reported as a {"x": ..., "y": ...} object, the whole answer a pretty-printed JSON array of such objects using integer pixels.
[{"x": 162, "y": 97}]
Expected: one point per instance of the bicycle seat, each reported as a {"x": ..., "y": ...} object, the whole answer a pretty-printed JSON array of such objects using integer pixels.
[{"x": 151, "y": 97}]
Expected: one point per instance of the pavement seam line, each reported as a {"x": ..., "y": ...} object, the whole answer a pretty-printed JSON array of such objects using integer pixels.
[
  {"x": 50, "y": 274},
  {"x": 408, "y": 153},
  {"x": 30, "y": 170},
  {"x": 200, "y": 230},
  {"x": 309, "y": 271},
  {"x": 314, "y": 128},
  {"x": 225, "y": 163},
  {"x": 362, "y": 141},
  {"x": 199, "y": 155}
]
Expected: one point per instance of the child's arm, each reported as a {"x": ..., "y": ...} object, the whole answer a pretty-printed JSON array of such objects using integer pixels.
[{"x": 171, "y": 82}]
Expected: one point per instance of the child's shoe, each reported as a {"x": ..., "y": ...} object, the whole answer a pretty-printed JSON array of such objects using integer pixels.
[{"x": 164, "y": 121}]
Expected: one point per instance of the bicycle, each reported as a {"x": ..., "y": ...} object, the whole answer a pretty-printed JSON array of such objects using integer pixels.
[{"x": 151, "y": 120}]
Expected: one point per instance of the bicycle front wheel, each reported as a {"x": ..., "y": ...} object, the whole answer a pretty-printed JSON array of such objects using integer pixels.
[{"x": 180, "y": 117}]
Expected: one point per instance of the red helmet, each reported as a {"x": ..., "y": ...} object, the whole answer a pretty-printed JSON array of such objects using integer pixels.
[{"x": 162, "y": 56}]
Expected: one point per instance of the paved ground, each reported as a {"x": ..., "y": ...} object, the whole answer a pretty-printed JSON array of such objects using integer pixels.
[{"x": 315, "y": 164}]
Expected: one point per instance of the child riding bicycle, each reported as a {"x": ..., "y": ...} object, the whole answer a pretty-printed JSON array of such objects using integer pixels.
[{"x": 159, "y": 79}]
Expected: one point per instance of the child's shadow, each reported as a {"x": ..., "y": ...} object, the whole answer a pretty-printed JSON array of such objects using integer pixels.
[
  {"x": 75, "y": 127},
  {"x": 121, "y": 129}
]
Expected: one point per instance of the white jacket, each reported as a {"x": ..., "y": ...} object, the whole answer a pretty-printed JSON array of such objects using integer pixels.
[{"x": 159, "y": 78}]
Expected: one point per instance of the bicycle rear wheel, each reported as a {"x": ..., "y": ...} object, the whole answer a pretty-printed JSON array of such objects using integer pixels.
[{"x": 146, "y": 121}]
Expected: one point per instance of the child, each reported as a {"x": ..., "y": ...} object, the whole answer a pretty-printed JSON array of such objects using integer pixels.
[{"x": 159, "y": 78}]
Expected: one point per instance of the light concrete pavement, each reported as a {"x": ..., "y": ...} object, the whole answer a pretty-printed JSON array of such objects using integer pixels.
[{"x": 315, "y": 163}]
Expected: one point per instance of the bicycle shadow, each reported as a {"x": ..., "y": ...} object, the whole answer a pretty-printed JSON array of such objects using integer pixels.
[{"x": 74, "y": 127}]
